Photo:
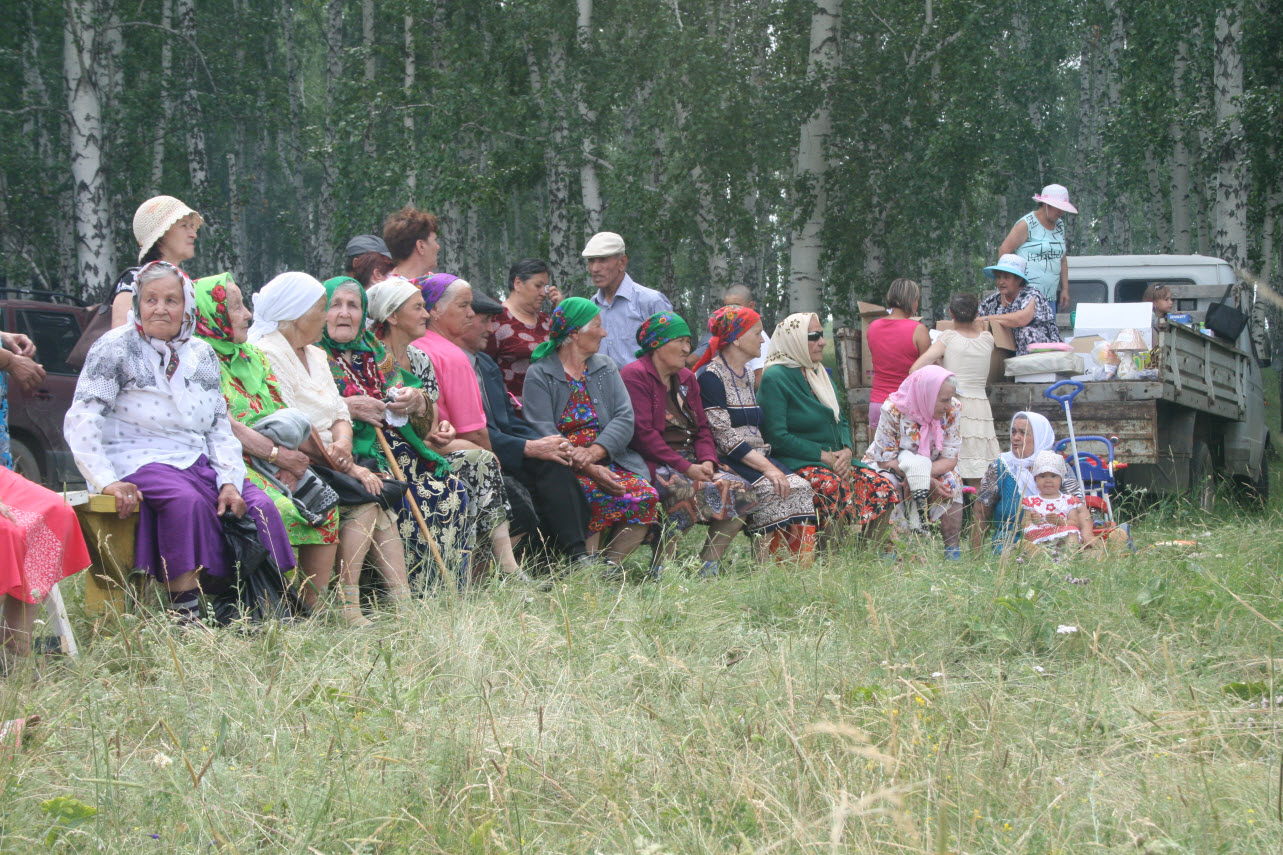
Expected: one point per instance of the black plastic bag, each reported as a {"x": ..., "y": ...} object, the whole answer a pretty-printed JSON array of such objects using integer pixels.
[{"x": 257, "y": 590}]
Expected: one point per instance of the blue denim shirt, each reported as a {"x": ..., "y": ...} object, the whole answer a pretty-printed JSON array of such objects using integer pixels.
[{"x": 623, "y": 316}]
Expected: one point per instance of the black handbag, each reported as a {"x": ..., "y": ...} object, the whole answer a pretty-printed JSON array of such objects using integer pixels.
[
  {"x": 1224, "y": 320},
  {"x": 352, "y": 492},
  {"x": 258, "y": 592}
]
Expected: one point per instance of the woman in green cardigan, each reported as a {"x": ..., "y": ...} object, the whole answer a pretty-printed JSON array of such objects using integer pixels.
[{"x": 803, "y": 422}]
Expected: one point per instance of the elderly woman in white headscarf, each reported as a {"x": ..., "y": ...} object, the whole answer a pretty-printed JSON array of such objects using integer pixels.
[
  {"x": 1008, "y": 480},
  {"x": 149, "y": 425},
  {"x": 289, "y": 317}
]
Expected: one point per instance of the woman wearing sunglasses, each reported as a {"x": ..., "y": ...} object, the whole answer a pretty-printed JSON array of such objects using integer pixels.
[{"x": 804, "y": 423}]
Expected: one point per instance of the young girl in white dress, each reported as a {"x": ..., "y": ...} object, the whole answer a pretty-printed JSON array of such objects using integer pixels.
[
  {"x": 966, "y": 350},
  {"x": 1053, "y": 517}
]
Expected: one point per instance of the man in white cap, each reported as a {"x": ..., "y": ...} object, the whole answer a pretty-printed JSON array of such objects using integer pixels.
[
  {"x": 624, "y": 303},
  {"x": 1039, "y": 238}
]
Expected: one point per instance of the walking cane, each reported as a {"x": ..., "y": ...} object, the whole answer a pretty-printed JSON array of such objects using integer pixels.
[{"x": 414, "y": 508}]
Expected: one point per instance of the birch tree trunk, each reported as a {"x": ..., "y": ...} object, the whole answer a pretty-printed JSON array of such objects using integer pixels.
[
  {"x": 214, "y": 244},
  {"x": 548, "y": 89},
  {"x": 95, "y": 256},
  {"x": 409, "y": 71},
  {"x": 806, "y": 247},
  {"x": 1162, "y": 236},
  {"x": 1229, "y": 239},
  {"x": 324, "y": 244},
  {"x": 166, "y": 104},
  {"x": 590, "y": 189},
  {"x": 1179, "y": 165},
  {"x": 367, "y": 42}
]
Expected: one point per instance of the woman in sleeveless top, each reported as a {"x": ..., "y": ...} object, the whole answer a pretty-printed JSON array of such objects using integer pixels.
[
  {"x": 895, "y": 342},
  {"x": 1039, "y": 238},
  {"x": 967, "y": 351}
]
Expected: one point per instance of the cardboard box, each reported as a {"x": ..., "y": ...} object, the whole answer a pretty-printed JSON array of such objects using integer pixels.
[{"x": 1004, "y": 348}]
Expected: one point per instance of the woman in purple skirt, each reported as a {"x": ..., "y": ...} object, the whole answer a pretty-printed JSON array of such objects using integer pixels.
[{"x": 149, "y": 426}]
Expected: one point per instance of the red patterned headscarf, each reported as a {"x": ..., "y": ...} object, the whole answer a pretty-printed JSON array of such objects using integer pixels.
[{"x": 727, "y": 324}]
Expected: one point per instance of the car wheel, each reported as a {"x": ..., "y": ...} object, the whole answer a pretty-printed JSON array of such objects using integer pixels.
[{"x": 25, "y": 461}]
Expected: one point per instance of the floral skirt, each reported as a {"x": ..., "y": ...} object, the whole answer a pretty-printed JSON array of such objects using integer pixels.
[
  {"x": 773, "y": 512},
  {"x": 638, "y": 506},
  {"x": 444, "y": 504},
  {"x": 686, "y": 503},
  {"x": 862, "y": 496},
  {"x": 479, "y": 471}
]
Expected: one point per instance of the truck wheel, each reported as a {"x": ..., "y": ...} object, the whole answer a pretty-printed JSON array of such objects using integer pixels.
[
  {"x": 25, "y": 461},
  {"x": 1257, "y": 491},
  {"x": 1202, "y": 477}
]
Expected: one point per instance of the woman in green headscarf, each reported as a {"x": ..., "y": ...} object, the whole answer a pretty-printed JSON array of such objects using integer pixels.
[
  {"x": 377, "y": 398},
  {"x": 222, "y": 320}
]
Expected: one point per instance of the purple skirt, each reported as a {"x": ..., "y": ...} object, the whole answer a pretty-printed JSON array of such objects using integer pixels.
[{"x": 177, "y": 527}]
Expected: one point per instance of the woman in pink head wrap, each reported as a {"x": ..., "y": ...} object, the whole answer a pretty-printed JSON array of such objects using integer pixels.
[{"x": 916, "y": 446}]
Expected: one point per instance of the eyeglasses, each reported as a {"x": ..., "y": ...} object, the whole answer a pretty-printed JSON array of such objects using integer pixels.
[{"x": 814, "y": 336}]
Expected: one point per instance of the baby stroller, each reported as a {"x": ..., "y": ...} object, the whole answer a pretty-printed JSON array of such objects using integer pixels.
[{"x": 1097, "y": 472}]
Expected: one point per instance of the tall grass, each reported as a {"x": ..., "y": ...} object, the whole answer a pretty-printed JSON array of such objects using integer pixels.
[{"x": 927, "y": 707}]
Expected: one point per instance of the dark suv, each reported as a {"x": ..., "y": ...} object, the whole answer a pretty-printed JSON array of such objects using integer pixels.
[{"x": 35, "y": 415}]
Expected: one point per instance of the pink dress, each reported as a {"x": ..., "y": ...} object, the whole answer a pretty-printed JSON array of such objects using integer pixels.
[
  {"x": 43, "y": 546},
  {"x": 1050, "y": 532}
]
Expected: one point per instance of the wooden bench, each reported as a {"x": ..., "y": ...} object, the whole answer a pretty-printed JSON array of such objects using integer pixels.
[{"x": 110, "y": 583}]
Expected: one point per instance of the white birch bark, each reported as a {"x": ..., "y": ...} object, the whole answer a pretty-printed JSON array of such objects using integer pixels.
[
  {"x": 1179, "y": 163},
  {"x": 166, "y": 111},
  {"x": 548, "y": 89},
  {"x": 1229, "y": 239},
  {"x": 806, "y": 246},
  {"x": 589, "y": 187},
  {"x": 1162, "y": 235},
  {"x": 95, "y": 255},
  {"x": 326, "y": 251},
  {"x": 408, "y": 74},
  {"x": 367, "y": 42}
]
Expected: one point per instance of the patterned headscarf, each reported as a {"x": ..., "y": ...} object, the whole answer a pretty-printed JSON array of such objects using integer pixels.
[
  {"x": 570, "y": 316},
  {"x": 658, "y": 330},
  {"x": 916, "y": 399},
  {"x": 434, "y": 286},
  {"x": 789, "y": 347},
  {"x": 727, "y": 324},
  {"x": 168, "y": 350},
  {"x": 214, "y": 325}
]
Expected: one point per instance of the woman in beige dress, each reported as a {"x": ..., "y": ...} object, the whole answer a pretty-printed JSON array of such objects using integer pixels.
[{"x": 967, "y": 351}]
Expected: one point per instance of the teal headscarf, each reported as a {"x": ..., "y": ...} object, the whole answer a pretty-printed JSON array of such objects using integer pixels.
[{"x": 365, "y": 342}]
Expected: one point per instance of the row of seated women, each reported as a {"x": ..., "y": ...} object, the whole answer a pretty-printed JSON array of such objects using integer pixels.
[{"x": 188, "y": 412}]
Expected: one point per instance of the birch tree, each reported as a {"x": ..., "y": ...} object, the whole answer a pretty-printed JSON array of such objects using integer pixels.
[
  {"x": 1229, "y": 237},
  {"x": 95, "y": 253},
  {"x": 806, "y": 249}
]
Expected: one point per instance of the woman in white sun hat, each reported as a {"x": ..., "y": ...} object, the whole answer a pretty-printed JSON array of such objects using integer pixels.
[
  {"x": 165, "y": 229},
  {"x": 1039, "y": 238}
]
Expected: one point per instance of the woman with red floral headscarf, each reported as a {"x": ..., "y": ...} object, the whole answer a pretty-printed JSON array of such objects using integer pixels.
[{"x": 786, "y": 503}]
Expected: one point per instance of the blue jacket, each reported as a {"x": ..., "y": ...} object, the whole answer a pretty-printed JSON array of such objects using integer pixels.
[{"x": 508, "y": 430}]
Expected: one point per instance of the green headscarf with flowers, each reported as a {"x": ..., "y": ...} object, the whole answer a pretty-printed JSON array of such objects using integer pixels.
[
  {"x": 214, "y": 325},
  {"x": 570, "y": 316}
]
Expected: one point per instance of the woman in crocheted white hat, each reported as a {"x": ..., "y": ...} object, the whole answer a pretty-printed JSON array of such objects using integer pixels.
[{"x": 165, "y": 229}]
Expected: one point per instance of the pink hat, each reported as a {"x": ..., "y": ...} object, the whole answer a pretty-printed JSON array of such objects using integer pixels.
[{"x": 1056, "y": 196}]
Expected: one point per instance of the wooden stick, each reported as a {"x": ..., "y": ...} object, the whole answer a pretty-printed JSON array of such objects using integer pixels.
[{"x": 414, "y": 508}]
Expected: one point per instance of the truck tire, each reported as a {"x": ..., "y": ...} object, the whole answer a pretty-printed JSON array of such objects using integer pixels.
[
  {"x": 25, "y": 461},
  {"x": 1202, "y": 477},
  {"x": 1257, "y": 490}
]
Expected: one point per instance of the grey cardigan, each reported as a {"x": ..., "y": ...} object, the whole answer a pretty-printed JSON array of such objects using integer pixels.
[{"x": 547, "y": 391}]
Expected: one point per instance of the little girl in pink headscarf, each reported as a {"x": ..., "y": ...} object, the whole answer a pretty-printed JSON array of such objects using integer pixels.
[{"x": 919, "y": 398}]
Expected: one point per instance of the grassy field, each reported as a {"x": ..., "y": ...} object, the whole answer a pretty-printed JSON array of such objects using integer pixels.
[{"x": 853, "y": 707}]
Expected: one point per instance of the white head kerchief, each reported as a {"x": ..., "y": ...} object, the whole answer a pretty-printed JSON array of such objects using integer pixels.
[
  {"x": 285, "y": 298},
  {"x": 1044, "y": 437}
]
